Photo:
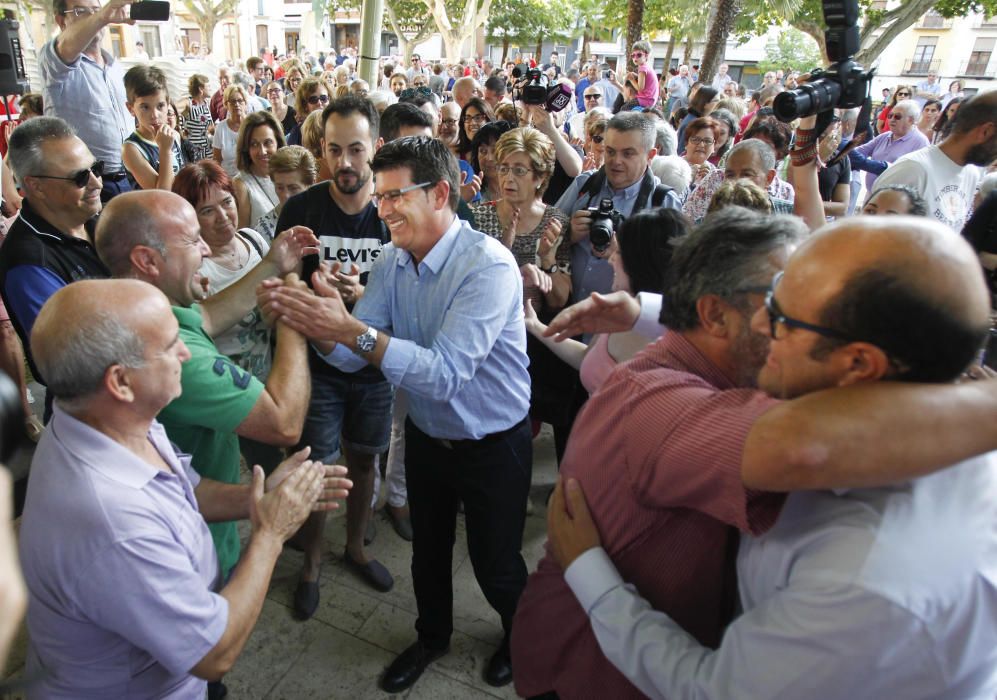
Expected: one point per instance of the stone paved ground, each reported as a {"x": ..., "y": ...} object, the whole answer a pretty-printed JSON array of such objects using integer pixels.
[{"x": 357, "y": 631}]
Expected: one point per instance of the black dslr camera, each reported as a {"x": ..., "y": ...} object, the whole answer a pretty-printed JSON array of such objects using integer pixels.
[
  {"x": 605, "y": 220},
  {"x": 843, "y": 84}
]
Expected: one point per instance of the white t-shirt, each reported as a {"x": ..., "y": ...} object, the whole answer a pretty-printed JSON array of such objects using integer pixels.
[
  {"x": 247, "y": 343},
  {"x": 946, "y": 186},
  {"x": 225, "y": 140}
]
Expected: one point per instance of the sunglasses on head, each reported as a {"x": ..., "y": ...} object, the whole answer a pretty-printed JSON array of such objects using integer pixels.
[
  {"x": 81, "y": 177},
  {"x": 409, "y": 93}
]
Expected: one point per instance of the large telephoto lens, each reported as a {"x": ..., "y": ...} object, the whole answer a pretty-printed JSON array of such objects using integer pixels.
[{"x": 807, "y": 100}]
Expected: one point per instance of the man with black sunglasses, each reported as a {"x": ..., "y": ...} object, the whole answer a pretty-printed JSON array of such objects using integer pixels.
[
  {"x": 84, "y": 84},
  {"x": 51, "y": 243},
  {"x": 880, "y": 588}
]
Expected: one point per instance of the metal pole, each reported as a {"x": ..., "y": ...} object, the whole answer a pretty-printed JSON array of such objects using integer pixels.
[{"x": 371, "y": 17}]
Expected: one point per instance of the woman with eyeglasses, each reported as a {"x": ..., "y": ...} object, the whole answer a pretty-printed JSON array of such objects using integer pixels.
[
  {"x": 595, "y": 141},
  {"x": 903, "y": 92},
  {"x": 286, "y": 115},
  {"x": 312, "y": 96},
  {"x": 702, "y": 136},
  {"x": 476, "y": 114},
  {"x": 293, "y": 76},
  {"x": 227, "y": 131},
  {"x": 529, "y": 228}
]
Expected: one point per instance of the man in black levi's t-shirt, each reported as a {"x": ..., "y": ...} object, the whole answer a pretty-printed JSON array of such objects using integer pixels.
[{"x": 350, "y": 413}]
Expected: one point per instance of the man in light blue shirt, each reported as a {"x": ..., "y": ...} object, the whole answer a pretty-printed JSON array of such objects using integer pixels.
[
  {"x": 84, "y": 85},
  {"x": 442, "y": 317},
  {"x": 626, "y": 178}
]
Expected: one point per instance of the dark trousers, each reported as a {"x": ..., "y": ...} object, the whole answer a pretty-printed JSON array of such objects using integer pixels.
[{"x": 491, "y": 477}]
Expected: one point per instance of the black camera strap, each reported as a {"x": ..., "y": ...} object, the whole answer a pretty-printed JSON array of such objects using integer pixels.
[{"x": 593, "y": 188}]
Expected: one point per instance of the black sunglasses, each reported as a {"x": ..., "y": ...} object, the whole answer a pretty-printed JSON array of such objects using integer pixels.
[
  {"x": 776, "y": 316},
  {"x": 81, "y": 177},
  {"x": 318, "y": 99},
  {"x": 598, "y": 138}
]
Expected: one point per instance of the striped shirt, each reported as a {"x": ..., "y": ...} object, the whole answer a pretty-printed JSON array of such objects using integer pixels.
[{"x": 658, "y": 452}]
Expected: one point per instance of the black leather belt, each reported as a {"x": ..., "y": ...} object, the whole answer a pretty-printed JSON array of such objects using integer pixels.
[{"x": 492, "y": 437}]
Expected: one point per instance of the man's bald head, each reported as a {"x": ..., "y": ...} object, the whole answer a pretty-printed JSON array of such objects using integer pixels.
[
  {"x": 87, "y": 327},
  {"x": 132, "y": 219},
  {"x": 908, "y": 285},
  {"x": 464, "y": 89}
]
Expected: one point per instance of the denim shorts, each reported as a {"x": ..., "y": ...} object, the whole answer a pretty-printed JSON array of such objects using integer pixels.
[{"x": 357, "y": 413}]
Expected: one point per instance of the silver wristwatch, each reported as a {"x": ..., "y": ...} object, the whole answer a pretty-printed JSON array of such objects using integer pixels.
[{"x": 367, "y": 340}]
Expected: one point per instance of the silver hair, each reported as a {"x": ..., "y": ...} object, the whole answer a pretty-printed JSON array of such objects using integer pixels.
[
  {"x": 909, "y": 108},
  {"x": 673, "y": 171},
  {"x": 764, "y": 152},
  {"x": 666, "y": 140},
  {"x": 244, "y": 79},
  {"x": 728, "y": 252},
  {"x": 636, "y": 121},
  {"x": 24, "y": 150},
  {"x": 382, "y": 99},
  {"x": 74, "y": 368}
]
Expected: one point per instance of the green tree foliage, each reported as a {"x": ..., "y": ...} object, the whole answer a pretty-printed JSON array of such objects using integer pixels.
[
  {"x": 792, "y": 50},
  {"x": 528, "y": 23}
]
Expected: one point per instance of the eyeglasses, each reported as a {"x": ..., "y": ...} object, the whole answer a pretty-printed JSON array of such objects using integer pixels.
[
  {"x": 637, "y": 54},
  {"x": 237, "y": 101},
  {"x": 275, "y": 91},
  {"x": 776, "y": 316},
  {"x": 477, "y": 119},
  {"x": 318, "y": 100},
  {"x": 394, "y": 195},
  {"x": 896, "y": 115},
  {"x": 82, "y": 11},
  {"x": 449, "y": 122},
  {"x": 701, "y": 140},
  {"x": 593, "y": 96},
  {"x": 598, "y": 138},
  {"x": 409, "y": 93},
  {"x": 903, "y": 94},
  {"x": 517, "y": 170},
  {"x": 81, "y": 177}
]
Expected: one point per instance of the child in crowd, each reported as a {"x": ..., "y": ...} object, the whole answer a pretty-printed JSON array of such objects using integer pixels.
[
  {"x": 148, "y": 101},
  {"x": 197, "y": 117},
  {"x": 647, "y": 81}
]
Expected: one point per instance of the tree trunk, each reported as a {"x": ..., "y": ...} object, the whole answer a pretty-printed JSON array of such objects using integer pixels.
[
  {"x": 723, "y": 14},
  {"x": 687, "y": 54},
  {"x": 669, "y": 52},
  {"x": 635, "y": 26},
  {"x": 505, "y": 49},
  {"x": 586, "y": 40},
  {"x": 540, "y": 47},
  {"x": 207, "y": 26}
]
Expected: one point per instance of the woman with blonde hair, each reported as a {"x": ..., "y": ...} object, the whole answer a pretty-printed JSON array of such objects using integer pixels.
[
  {"x": 227, "y": 131},
  {"x": 522, "y": 222},
  {"x": 311, "y": 139},
  {"x": 740, "y": 193},
  {"x": 293, "y": 170}
]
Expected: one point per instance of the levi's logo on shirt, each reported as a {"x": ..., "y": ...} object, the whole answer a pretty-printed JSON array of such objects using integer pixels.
[{"x": 360, "y": 251}]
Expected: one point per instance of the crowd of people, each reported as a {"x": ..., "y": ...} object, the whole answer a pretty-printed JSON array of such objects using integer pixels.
[{"x": 771, "y": 407}]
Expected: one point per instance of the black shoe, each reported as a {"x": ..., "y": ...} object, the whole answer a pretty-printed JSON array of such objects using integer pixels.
[
  {"x": 306, "y": 598},
  {"x": 405, "y": 670},
  {"x": 216, "y": 690},
  {"x": 499, "y": 670},
  {"x": 373, "y": 572},
  {"x": 371, "y": 532},
  {"x": 400, "y": 521}
]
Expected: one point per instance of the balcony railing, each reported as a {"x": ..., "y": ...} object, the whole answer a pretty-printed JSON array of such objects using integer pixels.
[
  {"x": 976, "y": 69},
  {"x": 985, "y": 22},
  {"x": 918, "y": 67}
]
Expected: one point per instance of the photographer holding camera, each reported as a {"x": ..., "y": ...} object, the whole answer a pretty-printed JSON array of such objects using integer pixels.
[{"x": 597, "y": 201}]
